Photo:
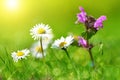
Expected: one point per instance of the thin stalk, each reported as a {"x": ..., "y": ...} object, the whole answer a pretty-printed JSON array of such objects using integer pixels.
[
  {"x": 91, "y": 56},
  {"x": 89, "y": 50},
  {"x": 67, "y": 53},
  {"x": 70, "y": 60},
  {"x": 41, "y": 47}
]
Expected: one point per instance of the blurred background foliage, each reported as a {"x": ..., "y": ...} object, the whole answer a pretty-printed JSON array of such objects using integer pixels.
[
  {"x": 16, "y": 22},
  {"x": 59, "y": 14}
]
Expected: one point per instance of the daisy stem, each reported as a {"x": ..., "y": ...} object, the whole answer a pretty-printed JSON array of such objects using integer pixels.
[
  {"x": 66, "y": 53},
  {"x": 43, "y": 55},
  {"x": 42, "y": 48},
  {"x": 70, "y": 60}
]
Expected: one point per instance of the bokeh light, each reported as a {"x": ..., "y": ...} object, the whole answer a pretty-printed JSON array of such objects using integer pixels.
[{"x": 11, "y": 4}]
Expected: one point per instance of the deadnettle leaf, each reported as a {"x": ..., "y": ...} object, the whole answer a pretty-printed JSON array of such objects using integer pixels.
[
  {"x": 90, "y": 34},
  {"x": 83, "y": 34}
]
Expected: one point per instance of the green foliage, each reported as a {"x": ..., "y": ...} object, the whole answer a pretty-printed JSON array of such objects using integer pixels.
[{"x": 58, "y": 66}]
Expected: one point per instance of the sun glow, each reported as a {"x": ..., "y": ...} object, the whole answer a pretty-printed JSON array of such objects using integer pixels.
[{"x": 12, "y": 4}]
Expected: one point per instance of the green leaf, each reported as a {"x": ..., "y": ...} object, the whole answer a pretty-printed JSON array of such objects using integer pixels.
[
  {"x": 90, "y": 34},
  {"x": 101, "y": 49}
]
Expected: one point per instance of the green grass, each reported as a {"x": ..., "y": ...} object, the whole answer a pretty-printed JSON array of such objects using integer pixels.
[{"x": 58, "y": 66}]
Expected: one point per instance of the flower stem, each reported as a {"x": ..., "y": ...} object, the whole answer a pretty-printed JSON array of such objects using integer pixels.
[
  {"x": 41, "y": 47},
  {"x": 71, "y": 61},
  {"x": 67, "y": 53},
  {"x": 89, "y": 50},
  {"x": 92, "y": 59}
]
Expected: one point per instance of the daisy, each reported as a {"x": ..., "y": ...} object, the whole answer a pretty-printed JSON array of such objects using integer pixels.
[
  {"x": 36, "y": 49},
  {"x": 40, "y": 30},
  {"x": 48, "y": 39},
  {"x": 63, "y": 42},
  {"x": 20, "y": 54}
]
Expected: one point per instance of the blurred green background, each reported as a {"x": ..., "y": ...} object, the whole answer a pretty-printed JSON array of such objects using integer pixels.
[{"x": 17, "y": 20}]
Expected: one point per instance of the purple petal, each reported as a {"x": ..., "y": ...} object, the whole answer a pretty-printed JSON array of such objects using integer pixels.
[
  {"x": 102, "y": 18},
  {"x": 99, "y": 22},
  {"x": 82, "y": 15},
  {"x": 82, "y": 42},
  {"x": 81, "y": 9}
]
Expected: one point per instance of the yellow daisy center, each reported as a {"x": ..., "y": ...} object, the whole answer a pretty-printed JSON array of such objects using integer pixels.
[
  {"x": 20, "y": 54},
  {"x": 38, "y": 49},
  {"x": 62, "y": 44},
  {"x": 41, "y": 31}
]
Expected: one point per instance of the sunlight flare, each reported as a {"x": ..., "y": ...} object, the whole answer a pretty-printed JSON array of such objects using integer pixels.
[{"x": 12, "y": 4}]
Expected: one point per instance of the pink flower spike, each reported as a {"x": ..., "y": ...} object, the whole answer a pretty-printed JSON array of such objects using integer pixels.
[
  {"x": 82, "y": 42},
  {"x": 99, "y": 22}
]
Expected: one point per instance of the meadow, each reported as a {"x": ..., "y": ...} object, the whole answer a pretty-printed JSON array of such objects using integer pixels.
[{"x": 15, "y": 25}]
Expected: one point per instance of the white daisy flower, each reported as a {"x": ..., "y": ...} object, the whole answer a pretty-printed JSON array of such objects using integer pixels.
[
  {"x": 36, "y": 49},
  {"x": 40, "y": 30},
  {"x": 20, "y": 54},
  {"x": 48, "y": 39},
  {"x": 63, "y": 42}
]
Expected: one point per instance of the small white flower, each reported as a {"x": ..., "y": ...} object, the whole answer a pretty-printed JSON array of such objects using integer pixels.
[
  {"x": 40, "y": 30},
  {"x": 48, "y": 39},
  {"x": 20, "y": 54},
  {"x": 63, "y": 42},
  {"x": 37, "y": 51}
]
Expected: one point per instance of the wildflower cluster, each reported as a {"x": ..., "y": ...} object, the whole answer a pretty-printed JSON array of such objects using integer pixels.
[
  {"x": 90, "y": 22},
  {"x": 92, "y": 25},
  {"x": 42, "y": 34}
]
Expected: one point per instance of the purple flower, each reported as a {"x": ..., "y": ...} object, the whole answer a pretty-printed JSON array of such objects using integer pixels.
[
  {"x": 99, "y": 22},
  {"x": 82, "y": 41},
  {"x": 82, "y": 16}
]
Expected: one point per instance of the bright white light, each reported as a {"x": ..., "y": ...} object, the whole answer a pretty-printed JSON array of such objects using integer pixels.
[{"x": 12, "y": 4}]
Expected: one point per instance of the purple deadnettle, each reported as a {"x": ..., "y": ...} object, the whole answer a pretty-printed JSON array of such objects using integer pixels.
[
  {"x": 82, "y": 15},
  {"x": 82, "y": 41},
  {"x": 99, "y": 22}
]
